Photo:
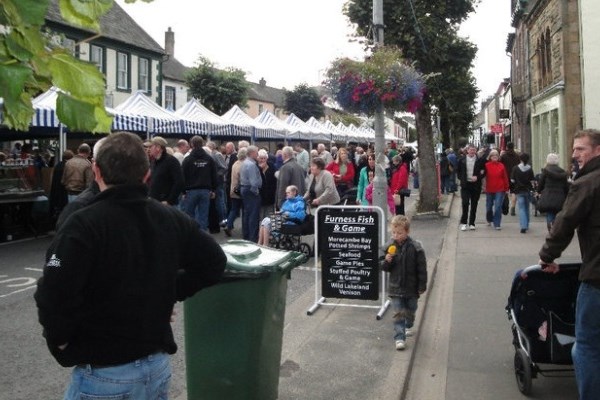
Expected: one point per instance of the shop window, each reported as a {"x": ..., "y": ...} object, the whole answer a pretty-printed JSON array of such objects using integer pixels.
[{"x": 123, "y": 71}]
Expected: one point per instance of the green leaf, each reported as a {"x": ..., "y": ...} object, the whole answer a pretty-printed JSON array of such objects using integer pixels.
[
  {"x": 79, "y": 78},
  {"x": 85, "y": 13},
  {"x": 24, "y": 12},
  {"x": 70, "y": 111},
  {"x": 17, "y": 105}
]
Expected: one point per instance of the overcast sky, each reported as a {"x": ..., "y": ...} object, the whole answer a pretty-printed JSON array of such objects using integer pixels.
[{"x": 293, "y": 42}]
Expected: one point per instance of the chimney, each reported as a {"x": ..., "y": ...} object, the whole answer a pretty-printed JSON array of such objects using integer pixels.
[
  {"x": 262, "y": 82},
  {"x": 170, "y": 42}
]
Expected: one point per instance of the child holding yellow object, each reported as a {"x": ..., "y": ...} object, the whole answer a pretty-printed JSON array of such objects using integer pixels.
[{"x": 406, "y": 262}]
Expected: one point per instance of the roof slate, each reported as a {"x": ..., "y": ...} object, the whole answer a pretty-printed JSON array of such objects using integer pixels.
[{"x": 116, "y": 24}]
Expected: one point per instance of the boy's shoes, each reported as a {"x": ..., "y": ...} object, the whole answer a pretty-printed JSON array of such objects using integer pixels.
[
  {"x": 409, "y": 332},
  {"x": 463, "y": 227},
  {"x": 223, "y": 223},
  {"x": 400, "y": 345},
  {"x": 523, "y": 230},
  {"x": 471, "y": 227},
  {"x": 498, "y": 228}
]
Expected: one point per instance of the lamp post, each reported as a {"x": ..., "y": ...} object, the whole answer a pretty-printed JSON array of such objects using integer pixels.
[{"x": 379, "y": 182}]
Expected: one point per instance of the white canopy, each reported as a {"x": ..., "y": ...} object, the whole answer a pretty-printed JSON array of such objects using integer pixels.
[
  {"x": 160, "y": 120},
  {"x": 210, "y": 123},
  {"x": 281, "y": 129},
  {"x": 240, "y": 118},
  {"x": 327, "y": 132},
  {"x": 306, "y": 131}
]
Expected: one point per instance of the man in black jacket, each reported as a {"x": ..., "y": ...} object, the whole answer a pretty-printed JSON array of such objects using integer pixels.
[
  {"x": 166, "y": 183},
  {"x": 200, "y": 177},
  {"x": 471, "y": 171},
  {"x": 113, "y": 273}
]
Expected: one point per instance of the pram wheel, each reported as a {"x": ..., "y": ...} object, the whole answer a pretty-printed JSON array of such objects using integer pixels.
[
  {"x": 523, "y": 371},
  {"x": 305, "y": 249}
]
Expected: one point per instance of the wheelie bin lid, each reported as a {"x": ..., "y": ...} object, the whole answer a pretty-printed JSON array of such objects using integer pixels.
[{"x": 246, "y": 259}]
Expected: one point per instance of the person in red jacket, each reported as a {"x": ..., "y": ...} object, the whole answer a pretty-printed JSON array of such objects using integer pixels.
[
  {"x": 342, "y": 170},
  {"x": 400, "y": 181},
  {"x": 495, "y": 188}
]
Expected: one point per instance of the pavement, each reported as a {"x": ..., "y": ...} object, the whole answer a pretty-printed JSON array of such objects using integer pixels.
[{"x": 346, "y": 351}]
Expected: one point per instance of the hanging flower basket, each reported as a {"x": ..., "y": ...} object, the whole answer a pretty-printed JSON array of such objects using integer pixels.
[{"x": 382, "y": 82}]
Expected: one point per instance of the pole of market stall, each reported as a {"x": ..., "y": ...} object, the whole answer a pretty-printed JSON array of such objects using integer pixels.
[{"x": 380, "y": 181}]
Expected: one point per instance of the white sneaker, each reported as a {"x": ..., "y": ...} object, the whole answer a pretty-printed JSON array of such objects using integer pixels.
[
  {"x": 400, "y": 345},
  {"x": 463, "y": 227},
  {"x": 472, "y": 227},
  {"x": 409, "y": 332},
  {"x": 498, "y": 228}
]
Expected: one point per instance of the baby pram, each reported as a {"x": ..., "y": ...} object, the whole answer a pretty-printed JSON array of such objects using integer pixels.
[
  {"x": 541, "y": 307},
  {"x": 289, "y": 236}
]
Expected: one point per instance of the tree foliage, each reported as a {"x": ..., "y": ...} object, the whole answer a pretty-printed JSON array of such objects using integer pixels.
[
  {"x": 30, "y": 63},
  {"x": 217, "y": 89},
  {"x": 304, "y": 102},
  {"x": 427, "y": 33}
]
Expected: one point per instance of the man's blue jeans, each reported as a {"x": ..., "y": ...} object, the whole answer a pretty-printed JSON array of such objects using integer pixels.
[
  {"x": 404, "y": 315},
  {"x": 251, "y": 215},
  {"x": 493, "y": 207},
  {"x": 196, "y": 205},
  {"x": 523, "y": 206},
  {"x": 220, "y": 203},
  {"x": 586, "y": 351},
  {"x": 146, "y": 378},
  {"x": 234, "y": 211}
]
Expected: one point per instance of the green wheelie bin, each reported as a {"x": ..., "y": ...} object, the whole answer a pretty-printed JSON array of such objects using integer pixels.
[{"x": 234, "y": 330}]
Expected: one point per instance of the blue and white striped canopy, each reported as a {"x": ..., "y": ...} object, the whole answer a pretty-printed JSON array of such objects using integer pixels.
[
  {"x": 280, "y": 130},
  {"x": 239, "y": 117},
  {"x": 159, "y": 119},
  {"x": 210, "y": 123}
]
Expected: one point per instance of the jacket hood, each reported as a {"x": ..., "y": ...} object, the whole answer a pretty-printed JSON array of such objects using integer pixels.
[
  {"x": 556, "y": 172},
  {"x": 524, "y": 167}
]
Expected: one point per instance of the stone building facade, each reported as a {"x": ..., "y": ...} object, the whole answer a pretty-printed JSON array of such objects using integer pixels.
[{"x": 547, "y": 76}]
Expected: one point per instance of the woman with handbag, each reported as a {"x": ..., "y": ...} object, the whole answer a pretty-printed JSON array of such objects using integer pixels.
[
  {"x": 398, "y": 184},
  {"x": 553, "y": 187},
  {"x": 496, "y": 187}
]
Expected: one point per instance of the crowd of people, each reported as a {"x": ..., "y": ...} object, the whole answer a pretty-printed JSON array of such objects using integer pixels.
[{"x": 506, "y": 178}]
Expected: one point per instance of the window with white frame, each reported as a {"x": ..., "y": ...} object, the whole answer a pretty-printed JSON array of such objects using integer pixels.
[
  {"x": 170, "y": 98},
  {"x": 97, "y": 57},
  {"x": 122, "y": 71},
  {"x": 144, "y": 74}
]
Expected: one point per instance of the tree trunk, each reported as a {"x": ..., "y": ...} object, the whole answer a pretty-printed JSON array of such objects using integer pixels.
[{"x": 428, "y": 175}]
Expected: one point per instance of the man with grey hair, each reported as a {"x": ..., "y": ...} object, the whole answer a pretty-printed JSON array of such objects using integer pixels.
[
  {"x": 302, "y": 158},
  {"x": 250, "y": 185},
  {"x": 291, "y": 173},
  {"x": 324, "y": 154}
]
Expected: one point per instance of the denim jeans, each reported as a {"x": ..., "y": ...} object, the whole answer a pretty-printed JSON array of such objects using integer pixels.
[
  {"x": 234, "y": 211},
  {"x": 196, "y": 205},
  {"x": 523, "y": 206},
  {"x": 493, "y": 207},
  {"x": 586, "y": 351},
  {"x": 404, "y": 315},
  {"x": 220, "y": 203},
  {"x": 550, "y": 217},
  {"x": 146, "y": 378},
  {"x": 251, "y": 215}
]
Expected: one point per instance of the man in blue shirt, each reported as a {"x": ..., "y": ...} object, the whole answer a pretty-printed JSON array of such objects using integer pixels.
[{"x": 250, "y": 185}]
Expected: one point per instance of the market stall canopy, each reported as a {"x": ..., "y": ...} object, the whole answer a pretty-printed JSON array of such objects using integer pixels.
[
  {"x": 210, "y": 123},
  {"x": 239, "y": 117},
  {"x": 281, "y": 129},
  {"x": 340, "y": 132},
  {"x": 327, "y": 131},
  {"x": 159, "y": 119},
  {"x": 306, "y": 131}
]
